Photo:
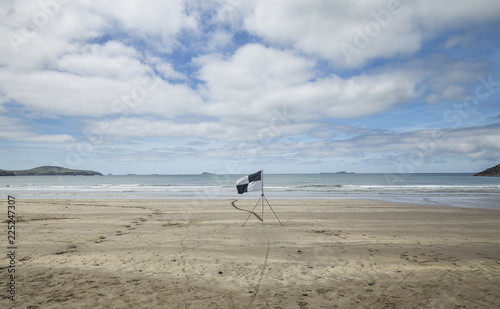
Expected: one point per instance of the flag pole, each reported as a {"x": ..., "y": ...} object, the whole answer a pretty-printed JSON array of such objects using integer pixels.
[{"x": 262, "y": 174}]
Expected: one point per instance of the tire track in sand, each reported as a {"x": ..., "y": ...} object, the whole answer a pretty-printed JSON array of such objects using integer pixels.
[
  {"x": 256, "y": 215},
  {"x": 397, "y": 286},
  {"x": 261, "y": 272}
]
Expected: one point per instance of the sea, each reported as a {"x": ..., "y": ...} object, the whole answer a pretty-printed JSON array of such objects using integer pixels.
[{"x": 454, "y": 189}]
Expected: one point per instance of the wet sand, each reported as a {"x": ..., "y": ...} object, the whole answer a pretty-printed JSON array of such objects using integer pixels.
[{"x": 330, "y": 253}]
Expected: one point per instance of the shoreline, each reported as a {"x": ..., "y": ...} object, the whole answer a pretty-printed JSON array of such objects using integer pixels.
[
  {"x": 451, "y": 199},
  {"x": 349, "y": 253}
]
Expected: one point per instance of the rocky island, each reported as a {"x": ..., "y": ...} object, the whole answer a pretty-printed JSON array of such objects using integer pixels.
[
  {"x": 492, "y": 171},
  {"x": 49, "y": 171}
]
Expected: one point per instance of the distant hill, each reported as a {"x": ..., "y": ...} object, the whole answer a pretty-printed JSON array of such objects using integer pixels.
[
  {"x": 492, "y": 171},
  {"x": 49, "y": 171}
]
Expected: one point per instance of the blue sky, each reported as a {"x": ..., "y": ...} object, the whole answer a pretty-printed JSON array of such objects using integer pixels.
[{"x": 233, "y": 86}]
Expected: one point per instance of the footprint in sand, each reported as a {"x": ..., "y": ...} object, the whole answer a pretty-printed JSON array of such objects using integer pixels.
[{"x": 100, "y": 240}]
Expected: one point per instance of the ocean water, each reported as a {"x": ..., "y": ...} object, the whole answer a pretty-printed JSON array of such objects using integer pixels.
[{"x": 463, "y": 190}]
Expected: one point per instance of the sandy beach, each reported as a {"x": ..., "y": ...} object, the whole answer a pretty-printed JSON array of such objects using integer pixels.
[{"x": 184, "y": 253}]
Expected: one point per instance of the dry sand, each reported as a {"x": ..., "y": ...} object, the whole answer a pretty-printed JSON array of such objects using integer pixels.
[{"x": 196, "y": 254}]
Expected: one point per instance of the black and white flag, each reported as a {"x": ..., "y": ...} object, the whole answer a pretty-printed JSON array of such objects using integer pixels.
[{"x": 249, "y": 183}]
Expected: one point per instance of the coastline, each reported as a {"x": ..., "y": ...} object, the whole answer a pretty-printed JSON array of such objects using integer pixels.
[
  {"x": 452, "y": 199},
  {"x": 181, "y": 253}
]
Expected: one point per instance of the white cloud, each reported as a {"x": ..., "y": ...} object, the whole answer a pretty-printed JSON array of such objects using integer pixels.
[
  {"x": 35, "y": 32},
  {"x": 218, "y": 40},
  {"x": 325, "y": 29},
  {"x": 352, "y": 35},
  {"x": 456, "y": 40},
  {"x": 165, "y": 69},
  {"x": 235, "y": 85},
  {"x": 414, "y": 148},
  {"x": 447, "y": 14},
  {"x": 257, "y": 80},
  {"x": 60, "y": 93},
  {"x": 112, "y": 60},
  {"x": 145, "y": 19},
  {"x": 99, "y": 80},
  {"x": 37, "y": 35},
  {"x": 54, "y": 71},
  {"x": 476, "y": 143},
  {"x": 131, "y": 127},
  {"x": 141, "y": 127}
]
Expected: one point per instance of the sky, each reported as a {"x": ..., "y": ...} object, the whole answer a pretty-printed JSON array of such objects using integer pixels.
[{"x": 235, "y": 86}]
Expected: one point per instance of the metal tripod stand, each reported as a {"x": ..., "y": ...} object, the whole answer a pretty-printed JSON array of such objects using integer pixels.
[{"x": 262, "y": 199}]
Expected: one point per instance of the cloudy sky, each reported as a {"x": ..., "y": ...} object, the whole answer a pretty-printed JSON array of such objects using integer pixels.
[{"x": 233, "y": 86}]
